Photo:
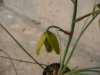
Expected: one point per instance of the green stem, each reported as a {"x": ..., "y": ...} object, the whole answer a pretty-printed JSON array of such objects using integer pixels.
[
  {"x": 85, "y": 23},
  {"x": 79, "y": 38},
  {"x": 89, "y": 14},
  {"x": 65, "y": 32},
  {"x": 53, "y": 27},
  {"x": 22, "y": 47},
  {"x": 70, "y": 37},
  {"x": 20, "y": 60}
]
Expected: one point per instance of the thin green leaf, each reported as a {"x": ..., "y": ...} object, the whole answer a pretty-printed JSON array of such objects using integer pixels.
[
  {"x": 40, "y": 43},
  {"x": 93, "y": 68},
  {"x": 76, "y": 73},
  {"x": 72, "y": 72},
  {"x": 85, "y": 71},
  {"x": 82, "y": 74},
  {"x": 48, "y": 46},
  {"x": 53, "y": 41},
  {"x": 89, "y": 70},
  {"x": 95, "y": 5}
]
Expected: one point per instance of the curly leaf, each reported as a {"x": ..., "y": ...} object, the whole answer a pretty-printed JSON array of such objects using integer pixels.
[
  {"x": 48, "y": 46},
  {"x": 53, "y": 41},
  {"x": 40, "y": 43}
]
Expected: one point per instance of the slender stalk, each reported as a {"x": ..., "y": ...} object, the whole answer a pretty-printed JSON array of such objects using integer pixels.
[
  {"x": 79, "y": 38},
  {"x": 59, "y": 45},
  {"x": 65, "y": 32},
  {"x": 22, "y": 48},
  {"x": 53, "y": 27},
  {"x": 20, "y": 60},
  {"x": 89, "y": 14},
  {"x": 85, "y": 24},
  {"x": 70, "y": 37},
  {"x": 10, "y": 60}
]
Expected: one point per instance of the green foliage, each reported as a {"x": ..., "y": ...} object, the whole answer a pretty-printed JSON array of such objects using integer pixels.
[
  {"x": 50, "y": 41},
  {"x": 53, "y": 41},
  {"x": 85, "y": 71},
  {"x": 98, "y": 6},
  {"x": 48, "y": 46}
]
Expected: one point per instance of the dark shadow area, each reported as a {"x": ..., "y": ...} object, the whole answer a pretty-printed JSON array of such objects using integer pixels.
[{"x": 1, "y": 1}]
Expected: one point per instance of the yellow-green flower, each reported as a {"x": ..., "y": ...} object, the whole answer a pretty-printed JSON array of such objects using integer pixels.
[{"x": 50, "y": 41}]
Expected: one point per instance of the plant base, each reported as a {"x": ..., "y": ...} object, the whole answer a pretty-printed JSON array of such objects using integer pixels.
[{"x": 53, "y": 69}]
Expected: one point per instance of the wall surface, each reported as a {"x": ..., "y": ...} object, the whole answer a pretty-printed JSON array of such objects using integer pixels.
[
  {"x": 1, "y": 1},
  {"x": 24, "y": 7},
  {"x": 59, "y": 12}
]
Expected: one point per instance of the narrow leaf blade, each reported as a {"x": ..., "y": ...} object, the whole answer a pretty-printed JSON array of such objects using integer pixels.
[{"x": 53, "y": 41}]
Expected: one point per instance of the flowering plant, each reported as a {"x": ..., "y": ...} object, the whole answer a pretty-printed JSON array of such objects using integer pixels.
[{"x": 49, "y": 39}]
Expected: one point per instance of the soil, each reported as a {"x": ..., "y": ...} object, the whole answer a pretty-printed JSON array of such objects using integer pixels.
[{"x": 53, "y": 69}]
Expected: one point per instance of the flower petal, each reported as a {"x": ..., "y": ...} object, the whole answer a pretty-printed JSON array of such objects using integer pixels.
[
  {"x": 48, "y": 46},
  {"x": 40, "y": 43},
  {"x": 53, "y": 41}
]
